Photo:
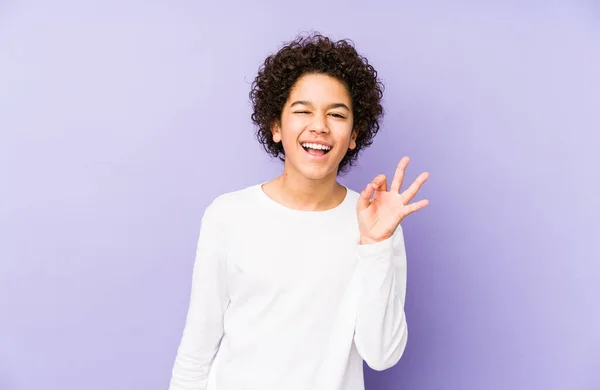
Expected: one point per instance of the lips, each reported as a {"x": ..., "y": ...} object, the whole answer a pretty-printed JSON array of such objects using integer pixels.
[{"x": 316, "y": 149}]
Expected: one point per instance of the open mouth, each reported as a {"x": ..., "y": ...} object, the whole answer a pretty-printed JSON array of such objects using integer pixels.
[{"x": 316, "y": 149}]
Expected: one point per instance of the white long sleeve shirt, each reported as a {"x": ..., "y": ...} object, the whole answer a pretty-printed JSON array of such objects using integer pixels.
[{"x": 289, "y": 299}]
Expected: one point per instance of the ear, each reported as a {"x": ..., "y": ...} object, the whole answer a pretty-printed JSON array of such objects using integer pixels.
[
  {"x": 276, "y": 131},
  {"x": 353, "y": 138}
]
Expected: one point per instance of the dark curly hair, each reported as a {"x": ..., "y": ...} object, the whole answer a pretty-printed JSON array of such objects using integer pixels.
[{"x": 315, "y": 53}]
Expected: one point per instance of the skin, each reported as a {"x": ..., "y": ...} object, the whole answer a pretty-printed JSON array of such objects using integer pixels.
[{"x": 319, "y": 108}]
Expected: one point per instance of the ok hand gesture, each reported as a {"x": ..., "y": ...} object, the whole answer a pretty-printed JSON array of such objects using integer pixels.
[{"x": 379, "y": 216}]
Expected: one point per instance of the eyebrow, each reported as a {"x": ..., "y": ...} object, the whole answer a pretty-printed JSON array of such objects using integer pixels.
[{"x": 308, "y": 103}]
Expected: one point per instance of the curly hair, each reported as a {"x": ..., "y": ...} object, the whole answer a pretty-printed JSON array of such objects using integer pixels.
[{"x": 318, "y": 54}]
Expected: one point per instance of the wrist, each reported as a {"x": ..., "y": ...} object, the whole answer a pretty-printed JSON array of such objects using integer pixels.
[{"x": 365, "y": 240}]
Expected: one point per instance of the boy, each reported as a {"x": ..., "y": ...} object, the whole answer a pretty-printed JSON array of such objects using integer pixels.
[{"x": 299, "y": 280}]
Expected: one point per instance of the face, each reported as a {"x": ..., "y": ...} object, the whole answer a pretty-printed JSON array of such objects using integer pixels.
[{"x": 316, "y": 127}]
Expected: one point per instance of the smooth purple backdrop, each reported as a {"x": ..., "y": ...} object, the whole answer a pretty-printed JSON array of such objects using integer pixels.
[{"x": 121, "y": 121}]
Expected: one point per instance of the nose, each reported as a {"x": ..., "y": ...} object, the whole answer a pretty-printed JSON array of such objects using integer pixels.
[{"x": 319, "y": 124}]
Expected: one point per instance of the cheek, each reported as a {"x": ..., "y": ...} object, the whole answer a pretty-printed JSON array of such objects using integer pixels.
[
  {"x": 291, "y": 131},
  {"x": 345, "y": 136},
  {"x": 289, "y": 138}
]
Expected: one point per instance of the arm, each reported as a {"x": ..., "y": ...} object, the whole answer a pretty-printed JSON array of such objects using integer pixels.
[
  {"x": 381, "y": 330},
  {"x": 208, "y": 301}
]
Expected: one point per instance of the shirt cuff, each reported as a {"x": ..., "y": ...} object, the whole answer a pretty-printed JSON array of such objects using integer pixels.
[{"x": 381, "y": 250}]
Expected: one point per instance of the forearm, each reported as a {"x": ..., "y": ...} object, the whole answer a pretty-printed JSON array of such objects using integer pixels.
[
  {"x": 195, "y": 357},
  {"x": 209, "y": 299},
  {"x": 381, "y": 329}
]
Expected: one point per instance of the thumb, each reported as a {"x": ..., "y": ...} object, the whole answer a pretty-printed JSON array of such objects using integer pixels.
[{"x": 364, "y": 200}]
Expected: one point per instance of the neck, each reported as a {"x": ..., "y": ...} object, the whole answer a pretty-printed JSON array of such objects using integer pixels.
[{"x": 301, "y": 193}]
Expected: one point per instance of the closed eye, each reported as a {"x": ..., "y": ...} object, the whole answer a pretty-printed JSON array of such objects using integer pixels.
[{"x": 334, "y": 114}]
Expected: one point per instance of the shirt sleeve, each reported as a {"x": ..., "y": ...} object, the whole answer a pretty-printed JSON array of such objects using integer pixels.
[
  {"x": 381, "y": 330},
  {"x": 209, "y": 298}
]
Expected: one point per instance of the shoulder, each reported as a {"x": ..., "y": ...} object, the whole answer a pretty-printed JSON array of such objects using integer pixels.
[
  {"x": 352, "y": 195},
  {"x": 229, "y": 204}
]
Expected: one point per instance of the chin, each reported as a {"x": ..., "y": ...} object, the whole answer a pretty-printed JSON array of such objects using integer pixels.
[
  {"x": 317, "y": 174},
  {"x": 313, "y": 170}
]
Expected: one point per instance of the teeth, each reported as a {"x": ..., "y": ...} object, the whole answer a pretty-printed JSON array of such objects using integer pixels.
[{"x": 315, "y": 146}]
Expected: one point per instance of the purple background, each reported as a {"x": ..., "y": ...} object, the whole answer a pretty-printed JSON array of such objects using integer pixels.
[{"x": 121, "y": 121}]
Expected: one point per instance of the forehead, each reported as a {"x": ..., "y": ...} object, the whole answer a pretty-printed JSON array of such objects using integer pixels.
[{"x": 320, "y": 88}]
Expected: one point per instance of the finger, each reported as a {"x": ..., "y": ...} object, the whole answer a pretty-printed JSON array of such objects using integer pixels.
[
  {"x": 380, "y": 183},
  {"x": 410, "y": 193},
  {"x": 364, "y": 198},
  {"x": 399, "y": 175},
  {"x": 411, "y": 208}
]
